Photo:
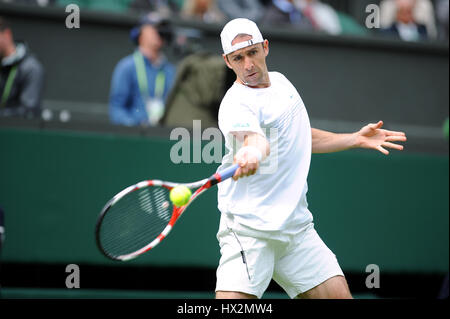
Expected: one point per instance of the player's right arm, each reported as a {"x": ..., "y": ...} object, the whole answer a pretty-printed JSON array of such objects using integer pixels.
[
  {"x": 255, "y": 148},
  {"x": 240, "y": 124}
]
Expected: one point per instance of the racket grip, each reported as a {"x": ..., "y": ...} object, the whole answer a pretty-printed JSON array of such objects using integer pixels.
[{"x": 228, "y": 172}]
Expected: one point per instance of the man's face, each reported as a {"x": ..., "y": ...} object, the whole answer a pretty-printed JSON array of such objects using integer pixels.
[
  {"x": 5, "y": 38},
  {"x": 249, "y": 63},
  {"x": 150, "y": 38},
  {"x": 405, "y": 9}
]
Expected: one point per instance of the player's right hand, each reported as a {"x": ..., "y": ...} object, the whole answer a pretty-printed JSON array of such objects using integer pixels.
[{"x": 248, "y": 158}]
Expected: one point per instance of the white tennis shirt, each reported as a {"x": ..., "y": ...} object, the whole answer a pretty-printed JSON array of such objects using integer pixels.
[{"x": 274, "y": 199}]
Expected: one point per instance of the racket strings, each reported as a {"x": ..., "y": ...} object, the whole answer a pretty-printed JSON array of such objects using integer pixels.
[{"x": 135, "y": 220}]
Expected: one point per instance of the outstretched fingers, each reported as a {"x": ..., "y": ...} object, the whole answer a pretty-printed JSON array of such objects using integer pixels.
[
  {"x": 382, "y": 150},
  {"x": 376, "y": 125},
  {"x": 392, "y": 136},
  {"x": 395, "y": 138},
  {"x": 394, "y": 133},
  {"x": 392, "y": 145}
]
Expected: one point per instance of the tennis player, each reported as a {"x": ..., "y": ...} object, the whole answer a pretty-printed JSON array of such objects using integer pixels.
[{"x": 266, "y": 230}]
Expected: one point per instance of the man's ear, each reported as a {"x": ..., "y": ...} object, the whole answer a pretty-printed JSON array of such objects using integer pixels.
[
  {"x": 225, "y": 58},
  {"x": 266, "y": 47}
]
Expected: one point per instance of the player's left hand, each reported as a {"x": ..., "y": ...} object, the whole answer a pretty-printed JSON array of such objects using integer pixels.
[{"x": 373, "y": 137}]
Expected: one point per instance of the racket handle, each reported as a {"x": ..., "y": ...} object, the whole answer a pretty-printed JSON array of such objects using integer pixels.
[{"x": 228, "y": 172}]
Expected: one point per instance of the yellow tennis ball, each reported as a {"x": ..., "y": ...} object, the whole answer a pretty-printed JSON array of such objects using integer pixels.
[{"x": 180, "y": 195}]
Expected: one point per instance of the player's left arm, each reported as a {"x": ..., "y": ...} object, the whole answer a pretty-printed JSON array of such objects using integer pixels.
[{"x": 370, "y": 136}]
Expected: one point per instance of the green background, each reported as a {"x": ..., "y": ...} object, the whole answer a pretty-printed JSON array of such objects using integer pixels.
[{"x": 368, "y": 208}]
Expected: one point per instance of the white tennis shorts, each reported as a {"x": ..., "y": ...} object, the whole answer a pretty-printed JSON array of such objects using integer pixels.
[{"x": 297, "y": 262}]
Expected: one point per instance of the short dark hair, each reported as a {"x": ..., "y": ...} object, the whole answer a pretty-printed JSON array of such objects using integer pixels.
[{"x": 4, "y": 24}]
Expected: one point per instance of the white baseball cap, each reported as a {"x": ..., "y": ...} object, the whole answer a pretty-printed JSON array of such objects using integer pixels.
[{"x": 239, "y": 26}]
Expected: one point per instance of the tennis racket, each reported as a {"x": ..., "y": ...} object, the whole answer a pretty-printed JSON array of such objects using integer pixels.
[{"x": 142, "y": 215}]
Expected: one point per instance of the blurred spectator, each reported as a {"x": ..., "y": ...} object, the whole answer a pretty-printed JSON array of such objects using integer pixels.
[
  {"x": 201, "y": 83},
  {"x": 405, "y": 27},
  {"x": 284, "y": 12},
  {"x": 142, "y": 80},
  {"x": 21, "y": 77},
  {"x": 250, "y": 9},
  {"x": 423, "y": 14},
  {"x": 163, "y": 7},
  {"x": 103, "y": 5},
  {"x": 442, "y": 17},
  {"x": 203, "y": 10},
  {"x": 41, "y": 3},
  {"x": 321, "y": 16}
]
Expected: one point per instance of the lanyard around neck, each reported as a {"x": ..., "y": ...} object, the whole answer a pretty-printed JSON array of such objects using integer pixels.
[
  {"x": 142, "y": 77},
  {"x": 8, "y": 85}
]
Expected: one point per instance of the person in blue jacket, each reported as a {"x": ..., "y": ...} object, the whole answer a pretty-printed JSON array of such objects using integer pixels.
[{"x": 142, "y": 80}]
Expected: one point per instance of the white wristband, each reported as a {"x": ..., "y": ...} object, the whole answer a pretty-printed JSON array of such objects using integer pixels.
[{"x": 252, "y": 150}]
